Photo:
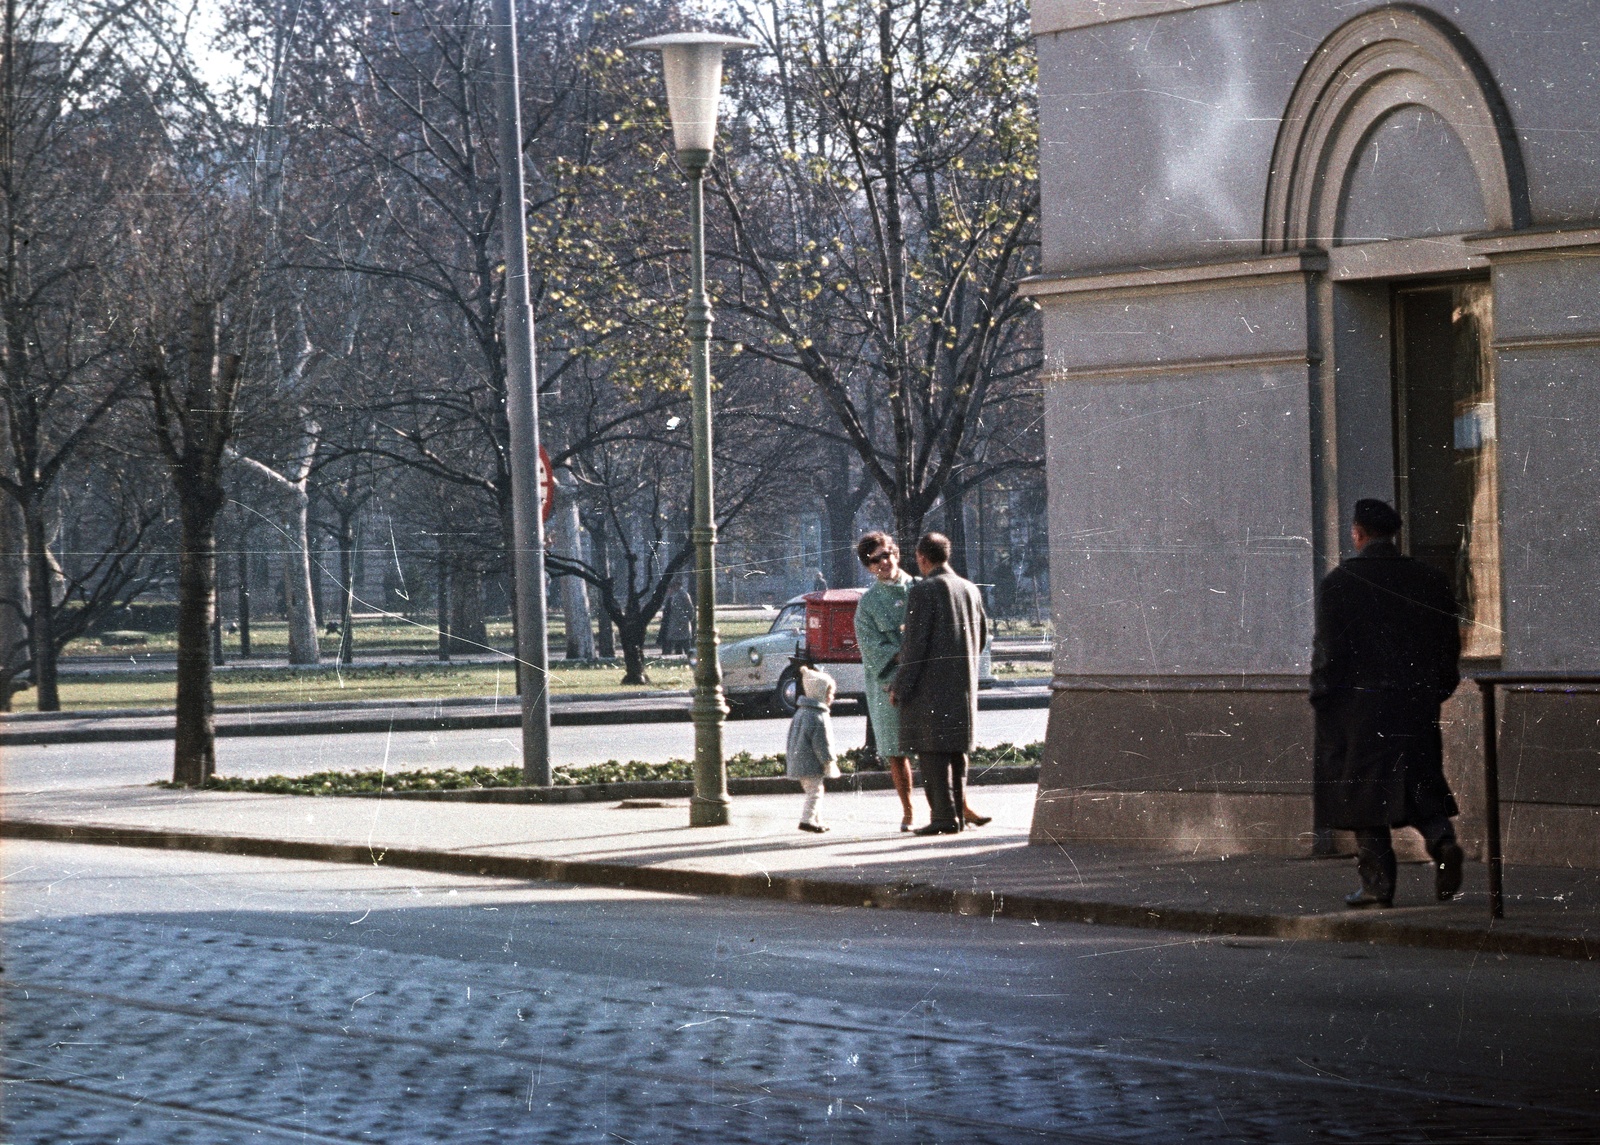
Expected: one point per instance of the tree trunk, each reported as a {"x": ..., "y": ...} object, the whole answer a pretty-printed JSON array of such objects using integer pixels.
[
  {"x": 304, "y": 646},
  {"x": 600, "y": 548},
  {"x": 508, "y": 534},
  {"x": 633, "y": 639},
  {"x": 955, "y": 527},
  {"x": 41, "y": 613},
  {"x": 195, "y": 748},
  {"x": 907, "y": 532},
  {"x": 568, "y": 541},
  {"x": 347, "y": 578},
  {"x": 469, "y": 635},
  {"x": 194, "y": 456},
  {"x": 839, "y": 505},
  {"x": 444, "y": 611},
  {"x": 244, "y": 599},
  {"x": 13, "y": 597},
  {"x": 982, "y": 568}
]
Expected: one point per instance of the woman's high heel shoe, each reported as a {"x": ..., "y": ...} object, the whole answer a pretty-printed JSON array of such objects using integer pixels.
[{"x": 905, "y": 825}]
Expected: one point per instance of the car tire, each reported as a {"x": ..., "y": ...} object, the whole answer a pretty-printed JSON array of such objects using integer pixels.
[{"x": 786, "y": 696}]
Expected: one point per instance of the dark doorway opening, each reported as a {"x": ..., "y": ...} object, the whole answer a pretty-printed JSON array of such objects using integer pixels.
[{"x": 1446, "y": 462}]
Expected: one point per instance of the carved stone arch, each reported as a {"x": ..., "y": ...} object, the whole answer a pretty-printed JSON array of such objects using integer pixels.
[{"x": 1379, "y": 62}]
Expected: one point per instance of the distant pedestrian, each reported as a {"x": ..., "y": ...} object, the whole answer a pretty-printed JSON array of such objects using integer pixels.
[
  {"x": 809, "y": 756},
  {"x": 677, "y": 623},
  {"x": 1386, "y": 657},
  {"x": 936, "y": 686}
]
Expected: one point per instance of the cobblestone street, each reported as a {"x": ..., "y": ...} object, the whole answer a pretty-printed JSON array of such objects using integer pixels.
[{"x": 145, "y": 1028}]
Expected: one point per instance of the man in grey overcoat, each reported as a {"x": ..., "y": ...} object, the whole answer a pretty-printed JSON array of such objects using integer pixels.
[
  {"x": 936, "y": 686},
  {"x": 677, "y": 623},
  {"x": 1385, "y": 658}
]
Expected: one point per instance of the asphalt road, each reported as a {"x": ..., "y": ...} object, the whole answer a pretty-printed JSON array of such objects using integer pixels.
[
  {"x": 46, "y": 767},
  {"x": 170, "y": 997}
]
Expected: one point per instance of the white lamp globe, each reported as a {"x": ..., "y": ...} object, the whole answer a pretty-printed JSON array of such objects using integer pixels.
[{"x": 692, "y": 63}]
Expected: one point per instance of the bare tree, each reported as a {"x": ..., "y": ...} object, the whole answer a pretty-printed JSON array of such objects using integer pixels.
[
  {"x": 193, "y": 395},
  {"x": 72, "y": 136},
  {"x": 293, "y": 486},
  {"x": 13, "y": 596},
  {"x": 636, "y": 478},
  {"x": 881, "y": 215}
]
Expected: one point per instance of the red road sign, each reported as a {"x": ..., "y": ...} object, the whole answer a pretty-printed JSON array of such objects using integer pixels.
[{"x": 547, "y": 485}]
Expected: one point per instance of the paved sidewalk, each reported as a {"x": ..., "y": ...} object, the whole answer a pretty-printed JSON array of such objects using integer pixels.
[{"x": 864, "y": 861}]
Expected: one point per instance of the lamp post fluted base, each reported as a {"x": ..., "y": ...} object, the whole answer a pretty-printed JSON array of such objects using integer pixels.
[
  {"x": 710, "y": 806},
  {"x": 708, "y": 813}
]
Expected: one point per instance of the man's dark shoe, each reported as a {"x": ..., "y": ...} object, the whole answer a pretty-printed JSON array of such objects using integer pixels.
[
  {"x": 937, "y": 829},
  {"x": 1447, "y": 871},
  {"x": 814, "y": 828},
  {"x": 1364, "y": 898}
]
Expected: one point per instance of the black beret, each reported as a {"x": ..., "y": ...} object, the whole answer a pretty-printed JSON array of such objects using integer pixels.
[{"x": 1376, "y": 517}]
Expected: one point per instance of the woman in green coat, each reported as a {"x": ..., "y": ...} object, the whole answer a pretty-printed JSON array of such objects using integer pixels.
[
  {"x": 880, "y": 625},
  {"x": 880, "y": 619}
]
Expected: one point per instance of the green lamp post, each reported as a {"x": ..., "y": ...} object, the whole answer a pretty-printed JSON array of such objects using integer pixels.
[{"x": 692, "y": 63}]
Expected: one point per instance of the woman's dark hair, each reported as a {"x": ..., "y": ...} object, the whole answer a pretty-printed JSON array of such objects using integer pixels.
[
  {"x": 935, "y": 547},
  {"x": 871, "y": 544}
]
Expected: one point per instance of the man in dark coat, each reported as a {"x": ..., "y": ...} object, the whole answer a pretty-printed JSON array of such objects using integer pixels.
[
  {"x": 936, "y": 686},
  {"x": 677, "y": 623},
  {"x": 1385, "y": 659}
]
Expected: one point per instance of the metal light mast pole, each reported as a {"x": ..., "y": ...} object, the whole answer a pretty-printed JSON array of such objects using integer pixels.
[
  {"x": 710, "y": 805},
  {"x": 692, "y": 62},
  {"x": 522, "y": 413}
]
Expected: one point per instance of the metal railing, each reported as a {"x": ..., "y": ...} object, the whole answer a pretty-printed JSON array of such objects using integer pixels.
[{"x": 1487, "y": 683}]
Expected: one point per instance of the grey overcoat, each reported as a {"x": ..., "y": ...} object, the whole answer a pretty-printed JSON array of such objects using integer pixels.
[
  {"x": 937, "y": 684},
  {"x": 677, "y": 619}
]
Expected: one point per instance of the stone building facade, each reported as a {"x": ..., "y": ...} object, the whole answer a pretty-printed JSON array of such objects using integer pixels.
[{"x": 1298, "y": 252}]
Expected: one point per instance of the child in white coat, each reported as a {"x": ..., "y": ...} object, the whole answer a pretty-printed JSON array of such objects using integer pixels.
[{"x": 809, "y": 756}]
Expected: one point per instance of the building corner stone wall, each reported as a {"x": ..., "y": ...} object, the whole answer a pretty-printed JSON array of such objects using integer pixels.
[{"x": 1212, "y": 411}]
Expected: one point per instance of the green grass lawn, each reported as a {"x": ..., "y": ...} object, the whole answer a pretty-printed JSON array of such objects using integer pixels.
[
  {"x": 391, "y": 635},
  {"x": 397, "y": 636},
  {"x": 157, "y": 688}
]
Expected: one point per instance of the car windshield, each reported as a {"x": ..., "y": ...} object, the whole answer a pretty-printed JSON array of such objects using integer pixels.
[{"x": 791, "y": 619}]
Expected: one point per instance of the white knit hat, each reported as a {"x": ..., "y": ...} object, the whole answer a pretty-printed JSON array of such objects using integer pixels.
[{"x": 817, "y": 685}]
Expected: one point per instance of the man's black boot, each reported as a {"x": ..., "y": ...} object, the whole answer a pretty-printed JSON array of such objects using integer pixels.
[
  {"x": 1447, "y": 870},
  {"x": 1363, "y": 898}
]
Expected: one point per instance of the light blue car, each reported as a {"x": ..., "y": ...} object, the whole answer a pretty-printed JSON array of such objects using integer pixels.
[{"x": 763, "y": 672}]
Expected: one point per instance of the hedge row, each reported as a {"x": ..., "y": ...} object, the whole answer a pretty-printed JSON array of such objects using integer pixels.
[{"x": 743, "y": 765}]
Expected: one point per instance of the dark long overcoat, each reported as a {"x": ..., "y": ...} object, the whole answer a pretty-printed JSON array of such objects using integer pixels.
[
  {"x": 1385, "y": 658},
  {"x": 677, "y": 620},
  {"x": 937, "y": 682}
]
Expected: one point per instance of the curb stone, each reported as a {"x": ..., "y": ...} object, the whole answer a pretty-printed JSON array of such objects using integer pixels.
[{"x": 823, "y": 892}]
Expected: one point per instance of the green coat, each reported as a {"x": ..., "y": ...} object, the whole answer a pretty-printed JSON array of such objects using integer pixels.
[{"x": 880, "y": 622}]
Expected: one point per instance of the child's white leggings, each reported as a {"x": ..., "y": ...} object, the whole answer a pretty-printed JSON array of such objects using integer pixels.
[{"x": 812, "y": 785}]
